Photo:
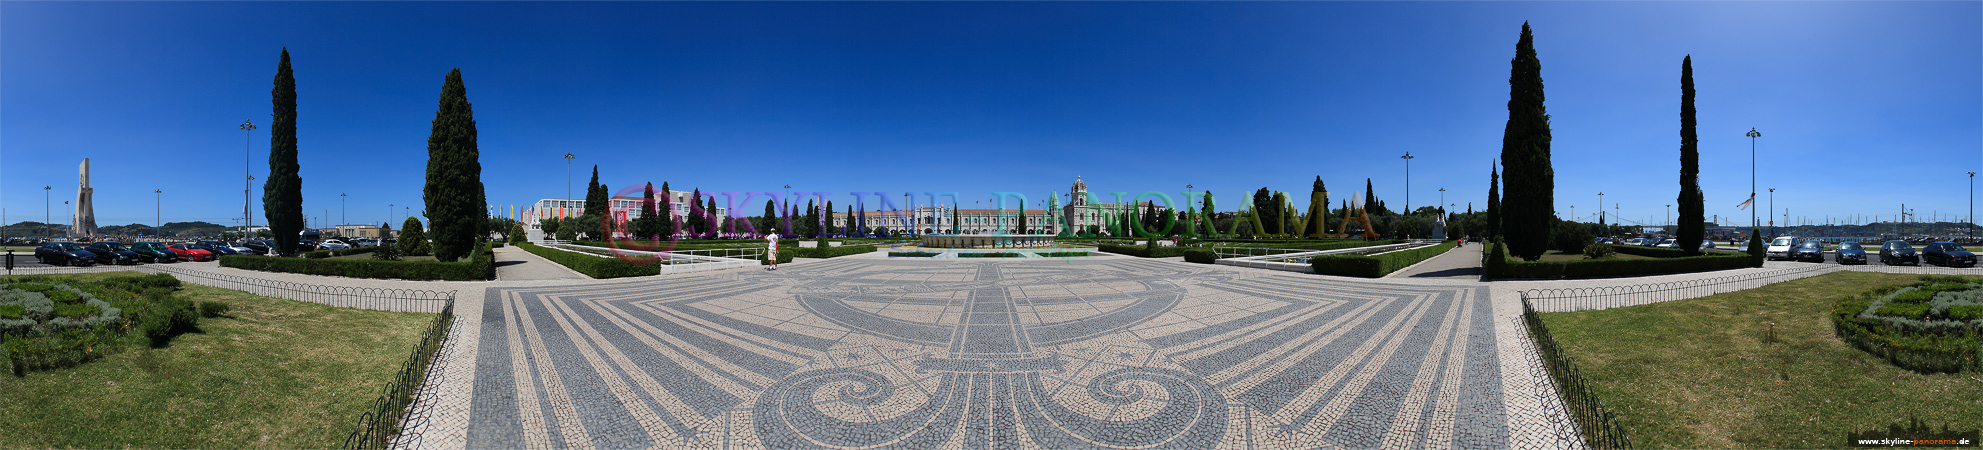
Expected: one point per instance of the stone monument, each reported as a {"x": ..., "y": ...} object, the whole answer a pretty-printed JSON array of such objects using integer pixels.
[{"x": 84, "y": 222}]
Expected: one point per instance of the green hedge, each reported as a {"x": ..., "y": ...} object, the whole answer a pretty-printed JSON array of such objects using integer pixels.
[
  {"x": 913, "y": 254},
  {"x": 481, "y": 266},
  {"x": 1143, "y": 252},
  {"x": 990, "y": 255},
  {"x": 1655, "y": 252},
  {"x": 1954, "y": 349},
  {"x": 827, "y": 252},
  {"x": 321, "y": 254},
  {"x": 1496, "y": 265},
  {"x": 592, "y": 266},
  {"x": 1375, "y": 265},
  {"x": 1201, "y": 256}
]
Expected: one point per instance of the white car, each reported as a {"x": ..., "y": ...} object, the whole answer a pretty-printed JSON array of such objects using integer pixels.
[
  {"x": 1780, "y": 247},
  {"x": 331, "y": 244},
  {"x": 1635, "y": 241}
]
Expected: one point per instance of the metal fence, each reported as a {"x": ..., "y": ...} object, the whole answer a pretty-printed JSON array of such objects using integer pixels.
[
  {"x": 381, "y": 421},
  {"x": 1598, "y": 425},
  {"x": 1605, "y": 297},
  {"x": 408, "y": 300}
]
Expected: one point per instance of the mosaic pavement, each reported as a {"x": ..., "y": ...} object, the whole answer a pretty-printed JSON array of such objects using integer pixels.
[{"x": 871, "y": 353}]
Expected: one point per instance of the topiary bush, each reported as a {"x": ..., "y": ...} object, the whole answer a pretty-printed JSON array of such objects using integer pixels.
[
  {"x": 1595, "y": 251},
  {"x": 1201, "y": 256},
  {"x": 1570, "y": 237},
  {"x": 213, "y": 309},
  {"x": 516, "y": 233}
]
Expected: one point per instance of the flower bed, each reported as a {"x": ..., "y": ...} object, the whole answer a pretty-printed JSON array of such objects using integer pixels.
[{"x": 1935, "y": 325}]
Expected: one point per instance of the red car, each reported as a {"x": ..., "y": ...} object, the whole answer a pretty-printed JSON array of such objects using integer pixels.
[{"x": 190, "y": 253}]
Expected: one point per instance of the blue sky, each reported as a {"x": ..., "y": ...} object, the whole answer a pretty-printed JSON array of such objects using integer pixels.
[{"x": 1862, "y": 106}]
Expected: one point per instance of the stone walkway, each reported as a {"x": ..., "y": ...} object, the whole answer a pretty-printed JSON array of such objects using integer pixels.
[
  {"x": 1461, "y": 263},
  {"x": 1103, "y": 352},
  {"x": 517, "y": 264}
]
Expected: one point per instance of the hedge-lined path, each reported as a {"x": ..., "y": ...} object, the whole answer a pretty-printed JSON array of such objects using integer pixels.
[
  {"x": 1459, "y": 263},
  {"x": 516, "y": 264}
]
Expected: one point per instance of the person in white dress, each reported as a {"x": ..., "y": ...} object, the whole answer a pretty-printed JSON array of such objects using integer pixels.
[{"x": 771, "y": 249}]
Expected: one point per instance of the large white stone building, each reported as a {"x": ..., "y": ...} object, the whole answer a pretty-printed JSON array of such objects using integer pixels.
[{"x": 620, "y": 209}]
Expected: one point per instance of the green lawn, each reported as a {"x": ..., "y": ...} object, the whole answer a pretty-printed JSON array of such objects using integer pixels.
[
  {"x": 276, "y": 374},
  {"x": 1700, "y": 374}
]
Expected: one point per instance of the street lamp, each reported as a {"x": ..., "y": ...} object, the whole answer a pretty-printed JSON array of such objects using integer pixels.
[
  {"x": 247, "y": 167},
  {"x": 1669, "y": 215},
  {"x": 1442, "y": 198},
  {"x": 1970, "y": 228},
  {"x": 158, "y": 196},
  {"x": 1408, "y": 181},
  {"x": 1752, "y": 174},
  {"x": 46, "y": 210},
  {"x": 342, "y": 217},
  {"x": 1600, "y": 207},
  {"x": 568, "y": 158},
  {"x": 389, "y": 213},
  {"x": 1772, "y": 212}
]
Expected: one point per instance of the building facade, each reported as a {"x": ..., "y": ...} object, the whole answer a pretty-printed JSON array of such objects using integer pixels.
[{"x": 619, "y": 209}]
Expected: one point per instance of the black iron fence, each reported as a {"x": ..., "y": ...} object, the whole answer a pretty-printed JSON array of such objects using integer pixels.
[
  {"x": 1583, "y": 298},
  {"x": 380, "y": 423},
  {"x": 408, "y": 300},
  {"x": 1598, "y": 426}
]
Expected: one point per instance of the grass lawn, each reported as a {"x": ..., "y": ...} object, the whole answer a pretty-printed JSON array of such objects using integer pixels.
[
  {"x": 1699, "y": 374},
  {"x": 276, "y": 374}
]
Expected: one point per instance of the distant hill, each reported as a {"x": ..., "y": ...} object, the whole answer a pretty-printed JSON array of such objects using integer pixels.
[{"x": 195, "y": 228}]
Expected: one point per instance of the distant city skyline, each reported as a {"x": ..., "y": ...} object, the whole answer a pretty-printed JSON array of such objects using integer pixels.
[{"x": 1861, "y": 106}]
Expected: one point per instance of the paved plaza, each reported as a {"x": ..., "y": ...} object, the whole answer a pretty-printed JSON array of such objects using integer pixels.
[{"x": 1101, "y": 353}]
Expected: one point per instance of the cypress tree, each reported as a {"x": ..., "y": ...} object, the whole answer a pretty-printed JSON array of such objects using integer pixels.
[
  {"x": 710, "y": 209},
  {"x": 853, "y": 227},
  {"x": 826, "y": 226},
  {"x": 862, "y": 224},
  {"x": 696, "y": 225},
  {"x": 667, "y": 225},
  {"x": 1210, "y": 229},
  {"x": 1263, "y": 208},
  {"x": 648, "y": 225},
  {"x": 1693, "y": 226},
  {"x": 770, "y": 217},
  {"x": 1318, "y": 209},
  {"x": 1022, "y": 216},
  {"x": 412, "y": 239},
  {"x": 456, "y": 208},
  {"x": 282, "y": 193},
  {"x": 1529, "y": 206},
  {"x": 956, "y": 225},
  {"x": 1493, "y": 204},
  {"x": 595, "y": 205}
]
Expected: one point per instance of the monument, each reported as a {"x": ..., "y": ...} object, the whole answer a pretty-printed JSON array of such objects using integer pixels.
[{"x": 83, "y": 223}]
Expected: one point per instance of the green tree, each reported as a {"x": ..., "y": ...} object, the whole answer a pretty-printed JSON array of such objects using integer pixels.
[
  {"x": 1022, "y": 217},
  {"x": 595, "y": 196},
  {"x": 1264, "y": 209},
  {"x": 710, "y": 209},
  {"x": 516, "y": 233},
  {"x": 549, "y": 225},
  {"x": 282, "y": 193},
  {"x": 413, "y": 238},
  {"x": 1206, "y": 210},
  {"x": 666, "y": 228},
  {"x": 455, "y": 200},
  {"x": 696, "y": 223},
  {"x": 1693, "y": 207},
  {"x": 1493, "y": 225},
  {"x": 1530, "y": 202},
  {"x": 1318, "y": 210}
]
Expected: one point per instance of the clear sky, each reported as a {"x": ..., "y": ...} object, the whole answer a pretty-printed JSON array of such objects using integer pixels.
[{"x": 1862, "y": 106}]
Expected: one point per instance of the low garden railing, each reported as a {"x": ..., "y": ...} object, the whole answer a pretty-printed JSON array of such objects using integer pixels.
[
  {"x": 381, "y": 421},
  {"x": 1599, "y": 426},
  {"x": 406, "y": 300},
  {"x": 1606, "y": 297}
]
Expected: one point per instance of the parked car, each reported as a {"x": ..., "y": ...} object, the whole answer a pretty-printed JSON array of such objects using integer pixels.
[
  {"x": 1707, "y": 244},
  {"x": 332, "y": 244},
  {"x": 222, "y": 248},
  {"x": 64, "y": 253},
  {"x": 190, "y": 252},
  {"x": 1780, "y": 247},
  {"x": 1948, "y": 254},
  {"x": 155, "y": 252},
  {"x": 1898, "y": 251},
  {"x": 259, "y": 246},
  {"x": 1668, "y": 243},
  {"x": 1635, "y": 241},
  {"x": 111, "y": 252},
  {"x": 1851, "y": 253},
  {"x": 1811, "y": 250}
]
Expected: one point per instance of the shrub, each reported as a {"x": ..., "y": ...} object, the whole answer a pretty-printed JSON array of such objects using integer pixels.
[
  {"x": 1570, "y": 237},
  {"x": 1201, "y": 256},
  {"x": 1654, "y": 252},
  {"x": 76, "y": 310},
  {"x": 1375, "y": 265},
  {"x": 592, "y": 266},
  {"x": 990, "y": 255},
  {"x": 13, "y": 311},
  {"x": 1061, "y": 254},
  {"x": 326, "y": 253},
  {"x": 413, "y": 238},
  {"x": 1497, "y": 266},
  {"x": 1756, "y": 248},
  {"x": 386, "y": 252},
  {"x": 213, "y": 309},
  {"x": 912, "y": 254},
  {"x": 1595, "y": 251},
  {"x": 516, "y": 233},
  {"x": 480, "y": 266},
  {"x": 168, "y": 319},
  {"x": 1142, "y": 252},
  {"x": 829, "y": 252}
]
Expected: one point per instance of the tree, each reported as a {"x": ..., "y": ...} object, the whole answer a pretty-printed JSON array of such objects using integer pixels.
[
  {"x": 1370, "y": 202},
  {"x": 809, "y": 221},
  {"x": 1264, "y": 208},
  {"x": 516, "y": 233},
  {"x": 955, "y": 223},
  {"x": 648, "y": 225},
  {"x": 770, "y": 221},
  {"x": 1493, "y": 225},
  {"x": 1318, "y": 209},
  {"x": 667, "y": 226},
  {"x": 550, "y": 225},
  {"x": 825, "y": 220},
  {"x": 282, "y": 193},
  {"x": 696, "y": 224},
  {"x": 710, "y": 209},
  {"x": 1022, "y": 217},
  {"x": 595, "y": 196},
  {"x": 1693, "y": 208},
  {"x": 1210, "y": 228},
  {"x": 456, "y": 206},
  {"x": 1530, "y": 202},
  {"x": 412, "y": 238}
]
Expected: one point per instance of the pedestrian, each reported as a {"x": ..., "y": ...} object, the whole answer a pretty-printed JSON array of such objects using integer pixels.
[{"x": 771, "y": 249}]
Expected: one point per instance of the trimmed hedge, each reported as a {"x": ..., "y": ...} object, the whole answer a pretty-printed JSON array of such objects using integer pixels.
[
  {"x": 1654, "y": 252},
  {"x": 1375, "y": 266},
  {"x": 990, "y": 255},
  {"x": 1201, "y": 256},
  {"x": 480, "y": 266},
  {"x": 592, "y": 266},
  {"x": 1143, "y": 252},
  {"x": 828, "y": 252},
  {"x": 912, "y": 254},
  {"x": 1496, "y": 265},
  {"x": 1929, "y": 349},
  {"x": 321, "y": 254}
]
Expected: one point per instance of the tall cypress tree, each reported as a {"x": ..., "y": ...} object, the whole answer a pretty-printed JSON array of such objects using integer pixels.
[
  {"x": 715, "y": 218},
  {"x": 595, "y": 196},
  {"x": 1206, "y": 210},
  {"x": 696, "y": 226},
  {"x": 667, "y": 227},
  {"x": 457, "y": 212},
  {"x": 649, "y": 223},
  {"x": 1529, "y": 206},
  {"x": 770, "y": 221},
  {"x": 1318, "y": 209},
  {"x": 1493, "y": 204},
  {"x": 825, "y": 219},
  {"x": 1262, "y": 200},
  {"x": 282, "y": 193},
  {"x": 1693, "y": 226}
]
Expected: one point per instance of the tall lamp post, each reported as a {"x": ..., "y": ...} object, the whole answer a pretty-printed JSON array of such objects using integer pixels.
[
  {"x": 1600, "y": 207},
  {"x": 47, "y": 211},
  {"x": 158, "y": 197},
  {"x": 1408, "y": 181},
  {"x": 343, "y": 218},
  {"x": 1752, "y": 175},
  {"x": 1669, "y": 215},
  {"x": 568, "y": 158},
  {"x": 1970, "y": 228},
  {"x": 248, "y": 168},
  {"x": 389, "y": 213},
  {"x": 1772, "y": 212}
]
